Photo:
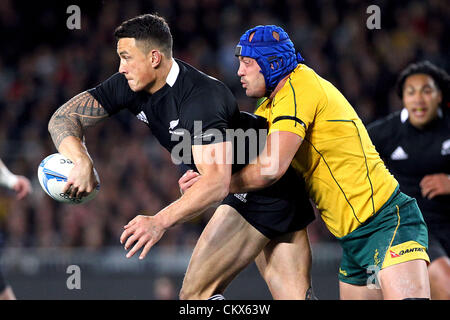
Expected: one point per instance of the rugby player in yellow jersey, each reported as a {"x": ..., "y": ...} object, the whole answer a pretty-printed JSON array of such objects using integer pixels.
[{"x": 314, "y": 128}]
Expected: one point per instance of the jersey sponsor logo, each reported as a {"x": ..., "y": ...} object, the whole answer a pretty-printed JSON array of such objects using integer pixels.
[
  {"x": 393, "y": 254},
  {"x": 399, "y": 154},
  {"x": 405, "y": 251},
  {"x": 141, "y": 116},
  {"x": 445, "y": 151}
]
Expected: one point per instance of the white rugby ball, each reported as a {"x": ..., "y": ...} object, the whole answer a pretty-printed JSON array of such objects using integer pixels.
[{"x": 52, "y": 174}]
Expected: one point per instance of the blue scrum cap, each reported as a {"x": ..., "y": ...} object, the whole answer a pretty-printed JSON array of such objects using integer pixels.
[{"x": 275, "y": 57}]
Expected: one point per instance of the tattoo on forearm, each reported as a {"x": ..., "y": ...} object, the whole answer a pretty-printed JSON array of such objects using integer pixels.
[{"x": 80, "y": 112}]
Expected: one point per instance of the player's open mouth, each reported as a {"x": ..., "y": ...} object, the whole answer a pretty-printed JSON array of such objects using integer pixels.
[{"x": 419, "y": 112}]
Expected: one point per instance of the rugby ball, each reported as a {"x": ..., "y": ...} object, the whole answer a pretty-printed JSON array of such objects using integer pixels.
[{"x": 52, "y": 174}]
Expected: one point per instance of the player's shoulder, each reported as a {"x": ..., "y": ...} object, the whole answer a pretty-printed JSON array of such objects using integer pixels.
[
  {"x": 197, "y": 88},
  {"x": 196, "y": 80},
  {"x": 305, "y": 75},
  {"x": 115, "y": 94},
  {"x": 446, "y": 118},
  {"x": 117, "y": 85},
  {"x": 117, "y": 79},
  {"x": 202, "y": 96},
  {"x": 302, "y": 81},
  {"x": 387, "y": 123}
]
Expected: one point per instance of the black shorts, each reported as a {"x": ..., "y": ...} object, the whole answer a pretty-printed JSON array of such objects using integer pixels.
[
  {"x": 3, "y": 283},
  {"x": 281, "y": 208},
  {"x": 438, "y": 235},
  {"x": 435, "y": 248}
]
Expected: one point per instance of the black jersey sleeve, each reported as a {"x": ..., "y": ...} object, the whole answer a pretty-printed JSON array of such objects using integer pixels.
[
  {"x": 208, "y": 114},
  {"x": 114, "y": 94}
]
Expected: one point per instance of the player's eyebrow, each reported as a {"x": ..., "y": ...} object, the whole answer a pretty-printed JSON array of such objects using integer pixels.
[
  {"x": 123, "y": 52},
  {"x": 425, "y": 86}
]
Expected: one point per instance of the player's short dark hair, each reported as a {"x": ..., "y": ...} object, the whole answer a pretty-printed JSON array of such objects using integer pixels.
[
  {"x": 151, "y": 29},
  {"x": 439, "y": 75}
]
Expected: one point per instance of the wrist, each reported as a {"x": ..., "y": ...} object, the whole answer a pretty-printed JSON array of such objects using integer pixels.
[
  {"x": 7, "y": 178},
  {"x": 83, "y": 160},
  {"x": 74, "y": 149},
  {"x": 163, "y": 220}
]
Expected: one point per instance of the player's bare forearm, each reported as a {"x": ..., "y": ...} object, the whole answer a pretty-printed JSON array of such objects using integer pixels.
[
  {"x": 7, "y": 178},
  {"x": 211, "y": 161},
  {"x": 204, "y": 193},
  {"x": 73, "y": 117},
  {"x": 145, "y": 231},
  {"x": 250, "y": 179},
  {"x": 212, "y": 188},
  {"x": 69, "y": 122},
  {"x": 271, "y": 164},
  {"x": 67, "y": 127}
]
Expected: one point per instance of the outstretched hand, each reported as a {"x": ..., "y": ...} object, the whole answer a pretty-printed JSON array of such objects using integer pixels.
[{"x": 145, "y": 231}]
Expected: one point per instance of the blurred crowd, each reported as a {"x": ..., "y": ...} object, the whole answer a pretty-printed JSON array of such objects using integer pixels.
[{"x": 43, "y": 64}]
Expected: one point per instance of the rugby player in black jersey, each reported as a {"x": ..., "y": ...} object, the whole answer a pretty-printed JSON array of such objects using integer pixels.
[
  {"x": 415, "y": 145},
  {"x": 169, "y": 95}
]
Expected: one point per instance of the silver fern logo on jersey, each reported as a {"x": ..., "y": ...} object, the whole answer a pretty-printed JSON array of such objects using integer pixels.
[{"x": 445, "y": 151}]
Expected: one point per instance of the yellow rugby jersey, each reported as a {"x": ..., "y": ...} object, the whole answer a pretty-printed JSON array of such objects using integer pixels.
[{"x": 344, "y": 174}]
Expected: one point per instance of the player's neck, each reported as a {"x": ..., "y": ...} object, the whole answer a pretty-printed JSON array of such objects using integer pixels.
[
  {"x": 161, "y": 75},
  {"x": 278, "y": 87}
]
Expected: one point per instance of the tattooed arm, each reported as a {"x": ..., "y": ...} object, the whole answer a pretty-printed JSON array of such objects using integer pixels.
[
  {"x": 66, "y": 128},
  {"x": 80, "y": 112}
]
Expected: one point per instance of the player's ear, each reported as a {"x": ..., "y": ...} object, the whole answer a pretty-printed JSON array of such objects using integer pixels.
[
  {"x": 155, "y": 57},
  {"x": 440, "y": 96}
]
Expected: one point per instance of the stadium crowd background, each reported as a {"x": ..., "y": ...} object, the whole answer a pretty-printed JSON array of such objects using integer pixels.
[{"x": 43, "y": 64}]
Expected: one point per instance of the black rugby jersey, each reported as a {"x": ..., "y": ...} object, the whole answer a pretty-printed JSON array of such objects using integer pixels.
[
  {"x": 411, "y": 153},
  {"x": 190, "y": 103}
]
